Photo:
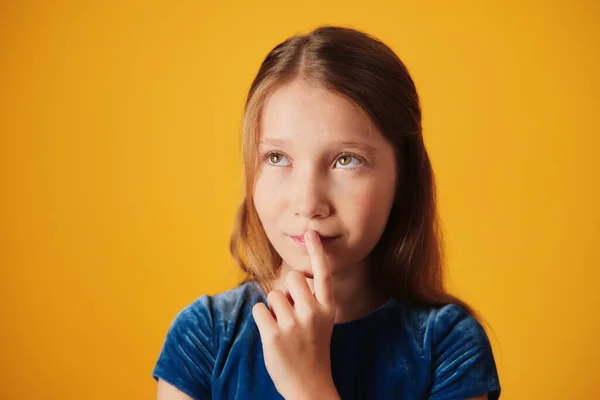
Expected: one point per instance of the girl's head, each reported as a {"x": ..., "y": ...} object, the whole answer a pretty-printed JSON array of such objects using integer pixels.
[
  {"x": 323, "y": 166},
  {"x": 332, "y": 142}
]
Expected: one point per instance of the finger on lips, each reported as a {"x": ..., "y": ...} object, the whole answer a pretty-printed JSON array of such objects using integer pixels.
[
  {"x": 322, "y": 275},
  {"x": 281, "y": 307}
]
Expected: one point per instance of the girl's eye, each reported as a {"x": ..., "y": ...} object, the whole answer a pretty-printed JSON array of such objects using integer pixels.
[
  {"x": 347, "y": 157},
  {"x": 344, "y": 160},
  {"x": 274, "y": 158}
]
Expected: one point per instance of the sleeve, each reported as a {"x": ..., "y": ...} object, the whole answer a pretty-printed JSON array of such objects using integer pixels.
[
  {"x": 463, "y": 364},
  {"x": 187, "y": 358}
]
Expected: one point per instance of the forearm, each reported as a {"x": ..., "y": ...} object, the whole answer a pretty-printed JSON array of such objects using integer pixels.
[
  {"x": 321, "y": 392},
  {"x": 328, "y": 394}
]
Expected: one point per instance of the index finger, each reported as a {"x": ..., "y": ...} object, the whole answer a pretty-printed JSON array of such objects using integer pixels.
[{"x": 323, "y": 279}]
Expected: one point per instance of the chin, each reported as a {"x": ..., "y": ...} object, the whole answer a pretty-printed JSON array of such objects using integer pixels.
[{"x": 300, "y": 266}]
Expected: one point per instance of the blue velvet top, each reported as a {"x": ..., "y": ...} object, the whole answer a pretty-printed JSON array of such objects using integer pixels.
[{"x": 213, "y": 350}]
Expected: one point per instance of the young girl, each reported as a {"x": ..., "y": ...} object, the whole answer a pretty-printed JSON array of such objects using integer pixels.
[{"x": 338, "y": 235}]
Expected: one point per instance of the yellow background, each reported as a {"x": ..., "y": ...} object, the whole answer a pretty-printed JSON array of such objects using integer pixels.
[{"x": 120, "y": 173}]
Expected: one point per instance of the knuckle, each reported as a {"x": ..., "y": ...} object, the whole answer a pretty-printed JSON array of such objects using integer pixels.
[
  {"x": 290, "y": 325},
  {"x": 274, "y": 337},
  {"x": 310, "y": 316}
]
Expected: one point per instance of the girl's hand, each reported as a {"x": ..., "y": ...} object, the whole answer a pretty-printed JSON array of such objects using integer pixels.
[{"x": 296, "y": 343}]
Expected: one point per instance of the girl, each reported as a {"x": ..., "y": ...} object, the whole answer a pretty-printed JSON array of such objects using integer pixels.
[{"x": 338, "y": 235}]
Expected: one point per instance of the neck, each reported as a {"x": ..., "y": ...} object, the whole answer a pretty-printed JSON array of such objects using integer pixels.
[{"x": 355, "y": 297}]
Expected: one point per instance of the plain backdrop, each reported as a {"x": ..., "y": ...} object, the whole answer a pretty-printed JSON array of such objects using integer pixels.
[{"x": 120, "y": 174}]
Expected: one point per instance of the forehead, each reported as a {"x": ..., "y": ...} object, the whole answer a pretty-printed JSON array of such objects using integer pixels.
[{"x": 299, "y": 111}]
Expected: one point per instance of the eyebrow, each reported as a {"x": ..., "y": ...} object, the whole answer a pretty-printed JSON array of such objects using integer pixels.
[{"x": 343, "y": 143}]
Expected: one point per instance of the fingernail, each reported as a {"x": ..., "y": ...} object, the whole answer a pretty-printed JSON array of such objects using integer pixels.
[{"x": 308, "y": 236}]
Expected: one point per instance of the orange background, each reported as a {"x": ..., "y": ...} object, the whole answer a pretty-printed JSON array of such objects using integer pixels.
[{"x": 120, "y": 173}]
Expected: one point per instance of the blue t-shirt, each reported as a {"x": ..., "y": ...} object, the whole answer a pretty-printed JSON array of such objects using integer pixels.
[{"x": 213, "y": 350}]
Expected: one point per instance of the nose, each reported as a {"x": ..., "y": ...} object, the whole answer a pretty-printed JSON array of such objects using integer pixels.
[{"x": 309, "y": 195}]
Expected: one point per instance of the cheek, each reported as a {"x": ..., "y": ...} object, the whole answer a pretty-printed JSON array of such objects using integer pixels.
[
  {"x": 267, "y": 196},
  {"x": 367, "y": 208},
  {"x": 370, "y": 207}
]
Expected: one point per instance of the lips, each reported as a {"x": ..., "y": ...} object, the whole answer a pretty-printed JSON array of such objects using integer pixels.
[{"x": 324, "y": 239}]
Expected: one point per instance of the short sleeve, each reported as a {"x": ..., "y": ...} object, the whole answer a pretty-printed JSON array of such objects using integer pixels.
[
  {"x": 463, "y": 364},
  {"x": 187, "y": 358}
]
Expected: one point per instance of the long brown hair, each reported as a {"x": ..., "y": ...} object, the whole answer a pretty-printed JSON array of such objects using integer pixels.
[{"x": 407, "y": 262}]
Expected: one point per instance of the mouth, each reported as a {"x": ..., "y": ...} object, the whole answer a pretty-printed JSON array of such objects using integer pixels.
[{"x": 325, "y": 240}]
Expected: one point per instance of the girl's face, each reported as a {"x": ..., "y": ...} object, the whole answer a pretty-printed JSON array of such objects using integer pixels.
[{"x": 322, "y": 166}]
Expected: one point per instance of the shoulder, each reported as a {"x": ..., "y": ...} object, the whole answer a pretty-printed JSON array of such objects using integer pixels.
[
  {"x": 462, "y": 361},
  {"x": 457, "y": 350},
  {"x": 214, "y": 312},
  {"x": 454, "y": 321},
  {"x": 231, "y": 303},
  {"x": 433, "y": 326},
  {"x": 196, "y": 335}
]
